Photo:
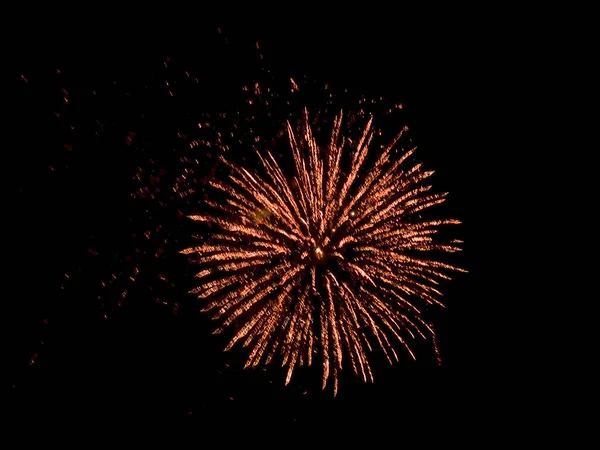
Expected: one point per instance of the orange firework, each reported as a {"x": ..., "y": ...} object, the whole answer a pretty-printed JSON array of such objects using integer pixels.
[{"x": 327, "y": 262}]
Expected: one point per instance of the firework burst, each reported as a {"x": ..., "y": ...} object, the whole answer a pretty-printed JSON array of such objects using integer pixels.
[{"x": 328, "y": 263}]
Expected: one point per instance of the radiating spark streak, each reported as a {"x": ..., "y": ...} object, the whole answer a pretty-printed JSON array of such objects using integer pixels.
[
  {"x": 278, "y": 179},
  {"x": 266, "y": 334},
  {"x": 322, "y": 261},
  {"x": 240, "y": 301}
]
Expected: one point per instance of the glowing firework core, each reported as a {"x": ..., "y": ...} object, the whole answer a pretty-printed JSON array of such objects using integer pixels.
[{"x": 319, "y": 253}]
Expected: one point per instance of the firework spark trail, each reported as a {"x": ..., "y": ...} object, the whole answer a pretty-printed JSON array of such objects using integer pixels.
[{"x": 332, "y": 269}]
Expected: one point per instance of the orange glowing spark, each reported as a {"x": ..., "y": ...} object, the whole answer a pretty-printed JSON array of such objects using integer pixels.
[{"x": 328, "y": 262}]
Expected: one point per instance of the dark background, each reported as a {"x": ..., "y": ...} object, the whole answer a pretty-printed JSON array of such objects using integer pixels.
[{"x": 73, "y": 214}]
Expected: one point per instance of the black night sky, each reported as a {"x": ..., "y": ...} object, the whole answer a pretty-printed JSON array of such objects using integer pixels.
[{"x": 89, "y": 114}]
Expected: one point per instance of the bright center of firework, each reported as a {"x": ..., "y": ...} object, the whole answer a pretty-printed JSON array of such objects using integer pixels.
[{"x": 314, "y": 253}]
